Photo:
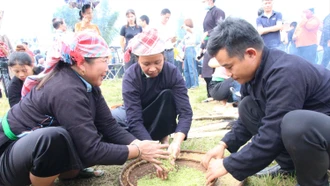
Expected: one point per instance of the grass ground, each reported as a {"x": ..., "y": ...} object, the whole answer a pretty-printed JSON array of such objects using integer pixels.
[{"x": 111, "y": 90}]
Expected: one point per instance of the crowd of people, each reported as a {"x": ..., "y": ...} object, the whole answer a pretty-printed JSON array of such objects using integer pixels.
[{"x": 59, "y": 123}]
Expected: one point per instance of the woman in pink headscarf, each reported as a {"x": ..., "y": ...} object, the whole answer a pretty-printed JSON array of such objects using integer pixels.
[
  {"x": 156, "y": 103},
  {"x": 63, "y": 124}
]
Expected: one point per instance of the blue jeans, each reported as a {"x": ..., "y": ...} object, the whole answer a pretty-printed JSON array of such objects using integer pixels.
[
  {"x": 178, "y": 65},
  {"x": 326, "y": 56},
  {"x": 169, "y": 56},
  {"x": 190, "y": 68},
  {"x": 308, "y": 53},
  {"x": 292, "y": 49},
  {"x": 237, "y": 88}
]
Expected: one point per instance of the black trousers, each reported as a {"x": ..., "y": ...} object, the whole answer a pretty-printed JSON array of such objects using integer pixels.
[
  {"x": 208, "y": 81},
  {"x": 44, "y": 152},
  {"x": 251, "y": 115},
  {"x": 306, "y": 137},
  {"x": 159, "y": 117},
  {"x": 221, "y": 90}
]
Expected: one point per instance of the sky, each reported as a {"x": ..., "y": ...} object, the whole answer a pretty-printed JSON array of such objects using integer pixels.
[{"x": 24, "y": 19}]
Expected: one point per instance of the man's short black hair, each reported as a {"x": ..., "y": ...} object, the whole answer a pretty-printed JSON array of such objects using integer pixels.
[
  {"x": 145, "y": 18},
  {"x": 165, "y": 11},
  {"x": 235, "y": 35}
]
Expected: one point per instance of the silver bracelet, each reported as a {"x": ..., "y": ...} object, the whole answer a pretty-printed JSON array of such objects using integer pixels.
[{"x": 138, "y": 149}]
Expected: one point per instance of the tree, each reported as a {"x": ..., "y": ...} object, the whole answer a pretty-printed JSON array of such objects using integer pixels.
[
  {"x": 106, "y": 19},
  {"x": 180, "y": 32}
]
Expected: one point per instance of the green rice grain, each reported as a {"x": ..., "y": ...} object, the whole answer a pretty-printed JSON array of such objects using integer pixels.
[
  {"x": 183, "y": 176},
  {"x": 167, "y": 165}
]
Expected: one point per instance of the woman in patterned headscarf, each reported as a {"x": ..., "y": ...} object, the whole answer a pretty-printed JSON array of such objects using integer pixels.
[
  {"x": 155, "y": 96},
  {"x": 63, "y": 124}
]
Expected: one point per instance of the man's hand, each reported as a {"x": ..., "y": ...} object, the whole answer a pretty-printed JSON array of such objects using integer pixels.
[
  {"x": 217, "y": 153},
  {"x": 294, "y": 37},
  {"x": 173, "y": 39},
  {"x": 261, "y": 30},
  {"x": 215, "y": 170},
  {"x": 205, "y": 34}
]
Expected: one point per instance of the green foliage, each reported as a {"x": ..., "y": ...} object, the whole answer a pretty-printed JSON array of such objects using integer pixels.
[
  {"x": 269, "y": 181},
  {"x": 180, "y": 32},
  {"x": 200, "y": 144},
  {"x": 106, "y": 19},
  {"x": 111, "y": 90}
]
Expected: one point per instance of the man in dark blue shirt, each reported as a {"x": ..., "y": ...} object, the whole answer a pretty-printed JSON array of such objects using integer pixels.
[
  {"x": 269, "y": 24},
  {"x": 284, "y": 110},
  {"x": 213, "y": 15}
]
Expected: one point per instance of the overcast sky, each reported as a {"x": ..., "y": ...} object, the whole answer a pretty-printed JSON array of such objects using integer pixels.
[{"x": 32, "y": 17}]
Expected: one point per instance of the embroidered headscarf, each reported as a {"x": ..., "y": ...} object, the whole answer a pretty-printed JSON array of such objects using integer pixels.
[
  {"x": 144, "y": 44},
  {"x": 84, "y": 44}
]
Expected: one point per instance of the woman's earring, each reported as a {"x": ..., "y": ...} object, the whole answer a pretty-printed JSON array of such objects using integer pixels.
[{"x": 83, "y": 72}]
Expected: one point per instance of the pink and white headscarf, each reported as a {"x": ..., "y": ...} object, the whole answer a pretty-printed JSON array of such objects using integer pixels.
[
  {"x": 84, "y": 44},
  {"x": 145, "y": 43}
]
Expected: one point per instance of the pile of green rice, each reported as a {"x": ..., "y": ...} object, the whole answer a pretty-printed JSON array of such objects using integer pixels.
[{"x": 182, "y": 176}]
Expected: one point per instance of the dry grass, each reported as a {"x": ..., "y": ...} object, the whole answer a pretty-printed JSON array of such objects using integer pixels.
[{"x": 111, "y": 90}]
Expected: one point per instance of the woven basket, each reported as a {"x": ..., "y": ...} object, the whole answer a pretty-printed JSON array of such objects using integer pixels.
[{"x": 136, "y": 169}]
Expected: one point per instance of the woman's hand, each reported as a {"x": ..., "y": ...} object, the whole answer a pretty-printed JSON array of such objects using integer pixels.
[
  {"x": 151, "y": 150},
  {"x": 174, "y": 150},
  {"x": 160, "y": 172},
  {"x": 217, "y": 153},
  {"x": 215, "y": 170}
]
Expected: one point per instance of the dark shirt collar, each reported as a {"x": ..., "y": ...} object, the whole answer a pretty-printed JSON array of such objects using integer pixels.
[
  {"x": 212, "y": 7},
  {"x": 264, "y": 58},
  {"x": 273, "y": 13},
  {"x": 144, "y": 75},
  {"x": 88, "y": 86}
]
